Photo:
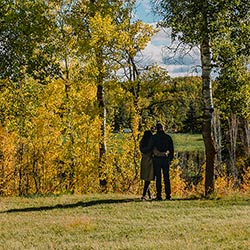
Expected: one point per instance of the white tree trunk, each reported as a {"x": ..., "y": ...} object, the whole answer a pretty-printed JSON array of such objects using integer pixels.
[{"x": 207, "y": 113}]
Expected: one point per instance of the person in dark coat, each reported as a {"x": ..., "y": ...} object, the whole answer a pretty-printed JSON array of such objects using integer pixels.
[
  {"x": 147, "y": 169},
  {"x": 163, "y": 143}
]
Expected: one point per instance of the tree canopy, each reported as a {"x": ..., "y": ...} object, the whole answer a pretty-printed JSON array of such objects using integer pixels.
[{"x": 72, "y": 82}]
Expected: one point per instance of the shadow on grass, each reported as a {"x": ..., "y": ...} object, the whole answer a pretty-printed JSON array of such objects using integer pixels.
[
  {"x": 85, "y": 204},
  {"x": 73, "y": 205}
]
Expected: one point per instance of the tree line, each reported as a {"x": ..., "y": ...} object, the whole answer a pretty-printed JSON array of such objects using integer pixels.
[{"x": 72, "y": 80}]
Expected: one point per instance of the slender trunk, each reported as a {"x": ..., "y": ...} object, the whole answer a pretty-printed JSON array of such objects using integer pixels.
[
  {"x": 218, "y": 141},
  {"x": 138, "y": 113},
  {"x": 19, "y": 170},
  {"x": 247, "y": 132},
  {"x": 2, "y": 160},
  {"x": 68, "y": 132},
  {"x": 233, "y": 134},
  {"x": 207, "y": 115},
  {"x": 103, "y": 117}
]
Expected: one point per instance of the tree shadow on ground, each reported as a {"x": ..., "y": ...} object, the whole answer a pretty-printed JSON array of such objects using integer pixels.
[
  {"x": 73, "y": 205},
  {"x": 83, "y": 204}
]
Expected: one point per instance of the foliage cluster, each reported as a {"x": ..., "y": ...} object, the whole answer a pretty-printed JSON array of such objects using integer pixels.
[
  {"x": 220, "y": 29},
  {"x": 72, "y": 82},
  {"x": 184, "y": 185}
]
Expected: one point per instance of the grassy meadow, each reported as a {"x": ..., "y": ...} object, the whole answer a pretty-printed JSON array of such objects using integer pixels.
[
  {"x": 115, "y": 221},
  {"x": 188, "y": 142}
]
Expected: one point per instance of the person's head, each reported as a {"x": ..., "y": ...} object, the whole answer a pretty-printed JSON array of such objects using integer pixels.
[
  {"x": 146, "y": 137},
  {"x": 159, "y": 127},
  {"x": 153, "y": 129},
  {"x": 147, "y": 134}
]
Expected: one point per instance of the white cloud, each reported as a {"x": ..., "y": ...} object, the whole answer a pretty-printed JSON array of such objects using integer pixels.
[
  {"x": 162, "y": 37},
  {"x": 156, "y": 52},
  {"x": 153, "y": 54},
  {"x": 178, "y": 65}
]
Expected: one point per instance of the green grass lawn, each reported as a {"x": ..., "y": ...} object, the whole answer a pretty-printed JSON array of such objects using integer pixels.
[
  {"x": 115, "y": 221},
  {"x": 182, "y": 142},
  {"x": 188, "y": 142}
]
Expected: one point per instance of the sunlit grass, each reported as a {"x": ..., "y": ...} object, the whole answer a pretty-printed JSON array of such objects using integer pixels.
[
  {"x": 182, "y": 142},
  {"x": 188, "y": 142},
  {"x": 115, "y": 221}
]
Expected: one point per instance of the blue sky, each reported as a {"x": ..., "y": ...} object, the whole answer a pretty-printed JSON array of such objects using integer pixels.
[
  {"x": 144, "y": 12},
  {"x": 156, "y": 51}
]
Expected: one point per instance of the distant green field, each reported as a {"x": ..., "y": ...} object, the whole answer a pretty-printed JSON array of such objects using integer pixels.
[
  {"x": 123, "y": 222},
  {"x": 182, "y": 142},
  {"x": 188, "y": 142}
]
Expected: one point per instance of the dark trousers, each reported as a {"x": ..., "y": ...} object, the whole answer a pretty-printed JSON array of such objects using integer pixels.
[
  {"x": 161, "y": 165},
  {"x": 146, "y": 189}
]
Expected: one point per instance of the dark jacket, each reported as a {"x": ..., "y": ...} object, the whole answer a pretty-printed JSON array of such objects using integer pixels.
[{"x": 162, "y": 142}]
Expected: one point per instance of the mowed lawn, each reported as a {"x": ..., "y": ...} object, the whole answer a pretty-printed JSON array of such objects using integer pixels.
[{"x": 114, "y": 221}]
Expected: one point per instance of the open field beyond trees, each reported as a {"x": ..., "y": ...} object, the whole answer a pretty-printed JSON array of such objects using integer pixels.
[
  {"x": 115, "y": 221},
  {"x": 188, "y": 142}
]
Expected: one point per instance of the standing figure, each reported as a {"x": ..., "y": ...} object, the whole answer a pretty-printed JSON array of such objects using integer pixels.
[
  {"x": 164, "y": 144},
  {"x": 147, "y": 169},
  {"x": 162, "y": 147}
]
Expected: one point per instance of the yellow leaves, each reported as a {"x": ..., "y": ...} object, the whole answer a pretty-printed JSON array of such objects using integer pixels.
[
  {"x": 62, "y": 112},
  {"x": 135, "y": 37},
  {"x": 102, "y": 30},
  {"x": 142, "y": 34},
  {"x": 7, "y": 161},
  {"x": 124, "y": 39},
  {"x": 246, "y": 183},
  {"x": 178, "y": 185},
  {"x": 131, "y": 37}
]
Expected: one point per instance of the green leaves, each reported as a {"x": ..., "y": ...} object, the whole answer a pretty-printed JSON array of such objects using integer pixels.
[{"x": 27, "y": 26}]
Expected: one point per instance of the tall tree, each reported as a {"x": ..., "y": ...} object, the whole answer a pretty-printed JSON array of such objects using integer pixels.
[
  {"x": 198, "y": 23},
  {"x": 232, "y": 94},
  {"x": 25, "y": 44},
  {"x": 102, "y": 29}
]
